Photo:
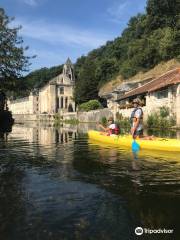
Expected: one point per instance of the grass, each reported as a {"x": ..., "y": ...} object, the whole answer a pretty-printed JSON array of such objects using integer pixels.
[{"x": 58, "y": 120}]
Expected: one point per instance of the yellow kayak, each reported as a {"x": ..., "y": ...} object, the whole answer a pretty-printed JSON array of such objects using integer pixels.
[{"x": 164, "y": 144}]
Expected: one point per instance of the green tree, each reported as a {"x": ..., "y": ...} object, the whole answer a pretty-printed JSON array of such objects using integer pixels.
[
  {"x": 106, "y": 69},
  {"x": 87, "y": 83},
  {"x": 12, "y": 58},
  {"x": 162, "y": 13}
]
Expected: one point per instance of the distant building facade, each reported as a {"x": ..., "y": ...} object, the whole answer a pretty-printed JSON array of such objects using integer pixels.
[
  {"x": 54, "y": 97},
  {"x": 27, "y": 105}
]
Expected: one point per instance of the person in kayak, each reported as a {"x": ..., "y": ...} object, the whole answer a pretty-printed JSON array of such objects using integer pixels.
[
  {"x": 112, "y": 128},
  {"x": 137, "y": 121}
]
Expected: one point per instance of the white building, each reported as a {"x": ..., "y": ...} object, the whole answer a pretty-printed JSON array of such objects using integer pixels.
[{"x": 56, "y": 96}]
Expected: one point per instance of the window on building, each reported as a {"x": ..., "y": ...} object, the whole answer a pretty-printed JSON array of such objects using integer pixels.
[
  {"x": 162, "y": 94},
  {"x": 57, "y": 103},
  {"x": 62, "y": 105},
  {"x": 66, "y": 102},
  {"x": 61, "y": 90}
]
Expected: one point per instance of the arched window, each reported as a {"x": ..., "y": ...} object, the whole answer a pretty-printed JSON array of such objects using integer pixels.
[
  {"x": 70, "y": 108},
  {"x": 61, "y": 90},
  {"x": 62, "y": 105},
  {"x": 66, "y": 102},
  {"x": 57, "y": 103}
]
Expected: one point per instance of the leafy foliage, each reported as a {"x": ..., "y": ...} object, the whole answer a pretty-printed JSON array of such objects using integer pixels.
[
  {"x": 12, "y": 58},
  {"x": 161, "y": 119},
  {"x": 104, "y": 121},
  {"x": 90, "y": 105},
  {"x": 123, "y": 123},
  {"x": 164, "y": 111},
  {"x": 39, "y": 78}
]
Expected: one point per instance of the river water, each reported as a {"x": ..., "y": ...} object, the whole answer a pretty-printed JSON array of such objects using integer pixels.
[{"x": 56, "y": 184}]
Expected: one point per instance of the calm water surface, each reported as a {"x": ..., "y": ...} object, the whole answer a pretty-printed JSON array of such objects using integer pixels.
[{"x": 56, "y": 184}]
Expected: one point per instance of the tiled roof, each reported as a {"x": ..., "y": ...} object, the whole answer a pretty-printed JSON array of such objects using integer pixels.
[{"x": 170, "y": 78}]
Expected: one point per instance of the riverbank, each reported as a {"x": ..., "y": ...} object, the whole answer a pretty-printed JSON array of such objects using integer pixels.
[{"x": 155, "y": 120}]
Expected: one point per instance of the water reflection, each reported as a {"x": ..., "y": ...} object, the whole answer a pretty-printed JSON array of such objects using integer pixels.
[
  {"x": 44, "y": 135},
  {"x": 57, "y": 184},
  {"x": 149, "y": 182}
]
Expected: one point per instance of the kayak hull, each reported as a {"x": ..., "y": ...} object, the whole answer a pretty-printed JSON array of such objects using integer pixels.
[{"x": 163, "y": 144}]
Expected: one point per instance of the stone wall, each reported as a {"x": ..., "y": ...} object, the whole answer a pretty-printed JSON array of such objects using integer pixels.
[
  {"x": 24, "y": 117},
  {"x": 91, "y": 116},
  {"x": 19, "y": 118},
  {"x": 94, "y": 116}
]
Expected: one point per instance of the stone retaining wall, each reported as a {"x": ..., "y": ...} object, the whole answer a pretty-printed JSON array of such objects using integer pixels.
[
  {"x": 94, "y": 116},
  {"x": 91, "y": 116}
]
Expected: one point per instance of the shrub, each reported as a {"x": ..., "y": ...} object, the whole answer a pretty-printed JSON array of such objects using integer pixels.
[
  {"x": 72, "y": 121},
  {"x": 90, "y": 105},
  {"x": 172, "y": 120},
  {"x": 153, "y": 120},
  {"x": 164, "y": 111},
  {"x": 104, "y": 121},
  {"x": 124, "y": 123},
  {"x": 119, "y": 116},
  {"x": 161, "y": 119}
]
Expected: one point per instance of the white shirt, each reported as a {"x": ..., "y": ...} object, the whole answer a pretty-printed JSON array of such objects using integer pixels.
[
  {"x": 138, "y": 114},
  {"x": 112, "y": 126}
]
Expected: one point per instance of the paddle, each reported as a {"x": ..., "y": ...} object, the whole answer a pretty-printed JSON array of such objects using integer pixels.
[{"x": 135, "y": 146}]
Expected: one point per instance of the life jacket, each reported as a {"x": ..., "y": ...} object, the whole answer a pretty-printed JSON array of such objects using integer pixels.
[
  {"x": 133, "y": 114},
  {"x": 114, "y": 131}
]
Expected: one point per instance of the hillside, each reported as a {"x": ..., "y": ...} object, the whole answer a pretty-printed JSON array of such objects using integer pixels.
[
  {"x": 148, "y": 40},
  {"x": 152, "y": 73}
]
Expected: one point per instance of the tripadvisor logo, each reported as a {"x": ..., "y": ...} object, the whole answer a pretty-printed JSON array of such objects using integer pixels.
[{"x": 140, "y": 231}]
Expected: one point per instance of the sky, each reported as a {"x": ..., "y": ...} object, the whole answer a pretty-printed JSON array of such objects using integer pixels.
[{"x": 57, "y": 29}]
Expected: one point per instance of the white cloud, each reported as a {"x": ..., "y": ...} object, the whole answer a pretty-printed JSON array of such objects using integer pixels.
[
  {"x": 46, "y": 57},
  {"x": 116, "y": 11},
  {"x": 122, "y": 10},
  {"x": 58, "y": 33},
  {"x": 46, "y": 54},
  {"x": 31, "y": 3}
]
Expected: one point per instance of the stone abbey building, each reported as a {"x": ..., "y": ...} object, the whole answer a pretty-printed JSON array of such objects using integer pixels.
[{"x": 56, "y": 96}]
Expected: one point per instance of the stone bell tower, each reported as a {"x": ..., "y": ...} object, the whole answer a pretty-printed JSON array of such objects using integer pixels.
[{"x": 68, "y": 70}]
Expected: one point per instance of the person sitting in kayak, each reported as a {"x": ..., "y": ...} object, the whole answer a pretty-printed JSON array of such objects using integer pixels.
[
  {"x": 112, "y": 128},
  {"x": 137, "y": 121}
]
